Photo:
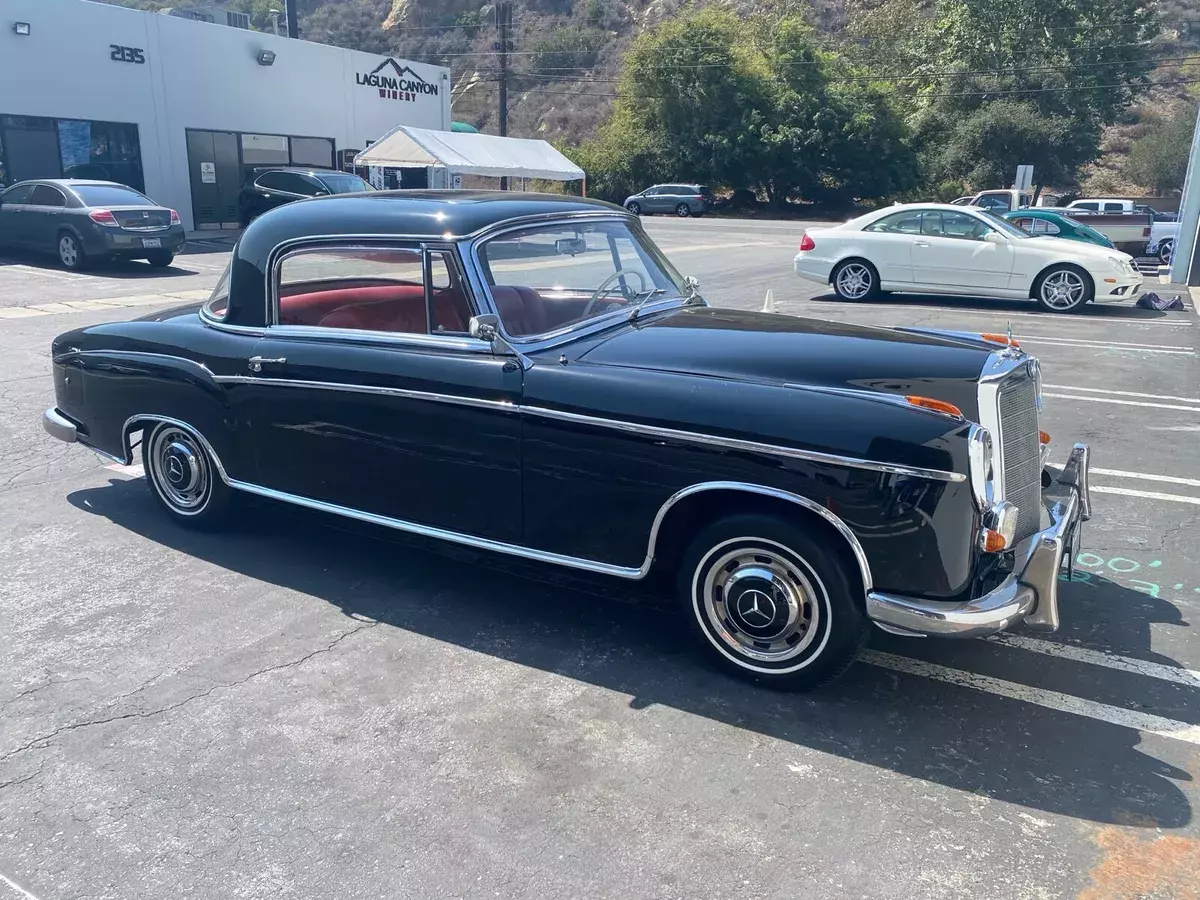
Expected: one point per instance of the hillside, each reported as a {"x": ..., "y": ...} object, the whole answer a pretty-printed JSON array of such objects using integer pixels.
[{"x": 565, "y": 56}]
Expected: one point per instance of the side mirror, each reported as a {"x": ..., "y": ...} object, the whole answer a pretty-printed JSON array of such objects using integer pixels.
[
  {"x": 995, "y": 237},
  {"x": 485, "y": 328}
]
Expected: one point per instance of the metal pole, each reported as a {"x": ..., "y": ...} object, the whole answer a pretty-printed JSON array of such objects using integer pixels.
[
  {"x": 1189, "y": 215},
  {"x": 503, "y": 20},
  {"x": 293, "y": 21}
]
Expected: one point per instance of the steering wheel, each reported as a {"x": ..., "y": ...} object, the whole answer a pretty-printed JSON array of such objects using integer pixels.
[{"x": 604, "y": 286}]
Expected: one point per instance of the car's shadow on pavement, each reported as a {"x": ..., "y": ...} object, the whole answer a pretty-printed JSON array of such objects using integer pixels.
[
  {"x": 109, "y": 268},
  {"x": 1094, "y": 311},
  {"x": 622, "y": 638}
]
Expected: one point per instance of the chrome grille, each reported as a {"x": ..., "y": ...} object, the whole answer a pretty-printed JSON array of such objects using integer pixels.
[{"x": 1020, "y": 451}]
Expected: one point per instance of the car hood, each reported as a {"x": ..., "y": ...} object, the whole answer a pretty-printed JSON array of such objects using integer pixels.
[{"x": 771, "y": 348}]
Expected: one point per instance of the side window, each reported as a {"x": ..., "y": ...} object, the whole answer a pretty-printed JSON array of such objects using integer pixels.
[
  {"x": 44, "y": 195},
  {"x": 272, "y": 181},
  {"x": 899, "y": 223},
  {"x": 962, "y": 226},
  {"x": 1042, "y": 226},
  {"x": 300, "y": 184},
  {"x": 1027, "y": 224},
  {"x": 18, "y": 194},
  {"x": 1086, "y": 204},
  {"x": 1114, "y": 207},
  {"x": 218, "y": 303},
  {"x": 652, "y": 192},
  {"x": 372, "y": 289},
  {"x": 994, "y": 203}
]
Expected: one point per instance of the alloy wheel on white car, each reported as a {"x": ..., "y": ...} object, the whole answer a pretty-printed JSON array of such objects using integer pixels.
[
  {"x": 1063, "y": 289},
  {"x": 1165, "y": 251}
]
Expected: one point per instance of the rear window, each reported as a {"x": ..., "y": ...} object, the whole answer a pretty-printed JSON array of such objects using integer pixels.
[{"x": 110, "y": 195}]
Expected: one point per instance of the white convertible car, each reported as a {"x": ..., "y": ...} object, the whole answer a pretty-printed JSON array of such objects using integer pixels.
[{"x": 939, "y": 248}]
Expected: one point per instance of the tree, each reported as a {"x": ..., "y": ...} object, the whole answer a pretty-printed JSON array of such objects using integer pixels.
[
  {"x": 1052, "y": 62},
  {"x": 354, "y": 24},
  {"x": 1158, "y": 160}
]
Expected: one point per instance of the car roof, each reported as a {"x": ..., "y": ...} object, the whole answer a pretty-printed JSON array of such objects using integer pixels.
[
  {"x": 72, "y": 182},
  {"x": 439, "y": 215}
]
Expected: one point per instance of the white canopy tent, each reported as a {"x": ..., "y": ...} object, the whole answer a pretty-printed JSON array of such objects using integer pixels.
[{"x": 470, "y": 154}]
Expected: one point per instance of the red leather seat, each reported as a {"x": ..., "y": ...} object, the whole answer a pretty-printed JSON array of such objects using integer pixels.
[
  {"x": 387, "y": 307},
  {"x": 521, "y": 309}
]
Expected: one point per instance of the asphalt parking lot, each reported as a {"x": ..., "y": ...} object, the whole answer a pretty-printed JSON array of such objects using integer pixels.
[{"x": 303, "y": 709}]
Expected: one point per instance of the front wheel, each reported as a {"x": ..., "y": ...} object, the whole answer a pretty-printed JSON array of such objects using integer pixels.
[
  {"x": 183, "y": 476},
  {"x": 1062, "y": 289},
  {"x": 683, "y": 210},
  {"x": 633, "y": 207},
  {"x": 772, "y": 602},
  {"x": 856, "y": 279}
]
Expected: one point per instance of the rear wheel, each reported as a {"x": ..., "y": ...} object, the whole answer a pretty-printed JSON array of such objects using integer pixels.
[
  {"x": 1062, "y": 289},
  {"x": 70, "y": 251},
  {"x": 161, "y": 260},
  {"x": 855, "y": 279},
  {"x": 769, "y": 601},
  {"x": 183, "y": 476},
  {"x": 1166, "y": 250},
  {"x": 683, "y": 210}
]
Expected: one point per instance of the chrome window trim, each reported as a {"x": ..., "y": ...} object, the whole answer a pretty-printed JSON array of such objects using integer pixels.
[
  {"x": 574, "y": 562},
  {"x": 418, "y": 341},
  {"x": 747, "y": 446},
  {"x": 405, "y": 393},
  {"x": 571, "y": 331}
]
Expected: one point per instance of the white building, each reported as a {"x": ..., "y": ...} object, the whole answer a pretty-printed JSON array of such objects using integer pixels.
[{"x": 184, "y": 109}]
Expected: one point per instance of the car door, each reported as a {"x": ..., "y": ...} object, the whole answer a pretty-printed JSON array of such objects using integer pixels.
[
  {"x": 13, "y": 209},
  {"x": 953, "y": 254},
  {"x": 888, "y": 244},
  {"x": 652, "y": 200},
  {"x": 358, "y": 401},
  {"x": 46, "y": 210}
]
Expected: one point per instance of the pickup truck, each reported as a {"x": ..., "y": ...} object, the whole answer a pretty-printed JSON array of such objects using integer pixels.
[
  {"x": 999, "y": 202},
  {"x": 1162, "y": 241},
  {"x": 1129, "y": 231}
]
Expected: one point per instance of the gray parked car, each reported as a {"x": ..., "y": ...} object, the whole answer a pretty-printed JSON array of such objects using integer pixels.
[
  {"x": 681, "y": 199},
  {"x": 84, "y": 221}
]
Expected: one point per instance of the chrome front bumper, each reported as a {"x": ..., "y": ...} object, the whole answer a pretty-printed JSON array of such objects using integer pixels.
[
  {"x": 59, "y": 426},
  {"x": 1029, "y": 593}
]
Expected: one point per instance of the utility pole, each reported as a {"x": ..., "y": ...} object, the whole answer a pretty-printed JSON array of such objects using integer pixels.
[
  {"x": 293, "y": 20},
  {"x": 503, "y": 22}
]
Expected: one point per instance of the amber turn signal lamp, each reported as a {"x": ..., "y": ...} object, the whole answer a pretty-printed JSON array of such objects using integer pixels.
[
  {"x": 1001, "y": 339},
  {"x": 1044, "y": 437},
  {"x": 936, "y": 405},
  {"x": 993, "y": 541}
]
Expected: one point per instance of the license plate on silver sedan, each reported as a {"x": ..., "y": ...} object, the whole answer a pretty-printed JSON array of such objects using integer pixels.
[{"x": 152, "y": 243}]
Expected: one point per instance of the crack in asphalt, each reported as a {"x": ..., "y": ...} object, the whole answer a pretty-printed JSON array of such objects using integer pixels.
[{"x": 45, "y": 739}]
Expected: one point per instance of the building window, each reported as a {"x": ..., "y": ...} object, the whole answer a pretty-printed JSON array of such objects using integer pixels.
[
  {"x": 40, "y": 147},
  {"x": 312, "y": 152}
]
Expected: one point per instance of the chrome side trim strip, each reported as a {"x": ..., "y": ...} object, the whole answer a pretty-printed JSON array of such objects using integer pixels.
[
  {"x": 454, "y": 537},
  {"x": 573, "y": 562},
  {"x": 136, "y": 355},
  {"x": 748, "y": 446},
  {"x": 479, "y": 403}
]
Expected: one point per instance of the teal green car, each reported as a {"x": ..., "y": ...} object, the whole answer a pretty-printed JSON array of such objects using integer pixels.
[{"x": 1054, "y": 224}]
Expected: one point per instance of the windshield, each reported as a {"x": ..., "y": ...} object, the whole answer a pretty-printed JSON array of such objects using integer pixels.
[
  {"x": 110, "y": 195},
  {"x": 345, "y": 184},
  {"x": 549, "y": 276},
  {"x": 1003, "y": 225}
]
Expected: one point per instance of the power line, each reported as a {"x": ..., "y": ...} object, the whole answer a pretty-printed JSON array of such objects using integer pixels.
[
  {"x": 945, "y": 73},
  {"x": 1090, "y": 87}
]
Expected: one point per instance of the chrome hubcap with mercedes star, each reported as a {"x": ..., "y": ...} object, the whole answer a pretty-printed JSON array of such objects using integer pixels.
[{"x": 538, "y": 380}]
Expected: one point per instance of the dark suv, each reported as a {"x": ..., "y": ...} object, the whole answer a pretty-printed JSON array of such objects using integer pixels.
[
  {"x": 681, "y": 199},
  {"x": 269, "y": 188}
]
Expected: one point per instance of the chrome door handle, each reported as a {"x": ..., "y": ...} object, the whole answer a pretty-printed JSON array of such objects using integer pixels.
[
  {"x": 257, "y": 362},
  {"x": 920, "y": 243}
]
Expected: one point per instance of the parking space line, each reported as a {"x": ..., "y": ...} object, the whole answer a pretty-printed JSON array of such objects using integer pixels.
[
  {"x": 1057, "y": 318},
  {"x": 1145, "y": 476},
  {"x": 1115, "y": 401},
  {"x": 1088, "y": 342},
  {"x": 1175, "y": 674},
  {"x": 1149, "y": 495},
  {"x": 1092, "y": 390},
  {"x": 1120, "y": 348},
  {"x": 16, "y": 887},
  {"x": 1054, "y": 700}
]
